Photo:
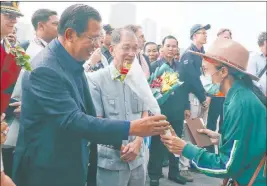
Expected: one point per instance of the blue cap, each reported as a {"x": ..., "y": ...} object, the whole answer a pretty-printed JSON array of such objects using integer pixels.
[{"x": 198, "y": 27}]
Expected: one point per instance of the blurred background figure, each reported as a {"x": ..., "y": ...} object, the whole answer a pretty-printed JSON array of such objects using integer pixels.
[
  {"x": 257, "y": 62},
  {"x": 225, "y": 33},
  {"x": 151, "y": 50}
]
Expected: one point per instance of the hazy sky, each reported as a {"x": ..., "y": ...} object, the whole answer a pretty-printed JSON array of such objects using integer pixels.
[{"x": 245, "y": 19}]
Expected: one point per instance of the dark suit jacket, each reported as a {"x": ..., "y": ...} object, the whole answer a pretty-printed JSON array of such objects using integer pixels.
[
  {"x": 174, "y": 107},
  {"x": 56, "y": 124}
]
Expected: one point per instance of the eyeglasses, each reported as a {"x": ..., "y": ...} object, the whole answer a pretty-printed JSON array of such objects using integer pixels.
[
  {"x": 127, "y": 49},
  {"x": 93, "y": 39},
  {"x": 203, "y": 33}
]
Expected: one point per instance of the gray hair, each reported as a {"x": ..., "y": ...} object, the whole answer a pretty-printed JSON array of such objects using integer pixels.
[
  {"x": 117, "y": 33},
  {"x": 262, "y": 38}
]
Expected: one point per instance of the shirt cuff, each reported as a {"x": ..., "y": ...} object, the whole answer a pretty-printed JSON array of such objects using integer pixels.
[
  {"x": 190, "y": 151},
  {"x": 126, "y": 130}
]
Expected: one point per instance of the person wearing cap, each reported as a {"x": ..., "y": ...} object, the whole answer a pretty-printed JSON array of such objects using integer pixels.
[
  {"x": 242, "y": 143},
  {"x": 45, "y": 24},
  {"x": 9, "y": 14},
  {"x": 190, "y": 72},
  {"x": 257, "y": 63}
]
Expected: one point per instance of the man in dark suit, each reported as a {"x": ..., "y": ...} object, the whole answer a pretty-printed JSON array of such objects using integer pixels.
[
  {"x": 57, "y": 111},
  {"x": 174, "y": 108}
]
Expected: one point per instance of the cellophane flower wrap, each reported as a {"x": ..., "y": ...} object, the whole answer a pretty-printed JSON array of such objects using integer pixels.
[
  {"x": 163, "y": 82},
  {"x": 137, "y": 81}
]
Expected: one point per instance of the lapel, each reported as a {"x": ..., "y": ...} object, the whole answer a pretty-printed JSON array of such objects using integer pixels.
[
  {"x": 75, "y": 89},
  {"x": 68, "y": 75}
]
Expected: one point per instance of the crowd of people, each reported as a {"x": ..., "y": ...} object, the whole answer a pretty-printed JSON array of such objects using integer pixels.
[{"x": 69, "y": 117}]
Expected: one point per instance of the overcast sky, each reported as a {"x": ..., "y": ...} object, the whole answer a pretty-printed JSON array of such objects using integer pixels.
[{"x": 245, "y": 19}]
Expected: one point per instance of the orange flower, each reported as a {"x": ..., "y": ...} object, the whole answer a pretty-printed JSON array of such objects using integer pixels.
[{"x": 219, "y": 94}]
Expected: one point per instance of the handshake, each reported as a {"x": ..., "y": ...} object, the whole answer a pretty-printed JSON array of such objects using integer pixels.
[{"x": 149, "y": 126}]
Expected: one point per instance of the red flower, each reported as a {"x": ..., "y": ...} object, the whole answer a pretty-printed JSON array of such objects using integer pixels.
[{"x": 124, "y": 71}]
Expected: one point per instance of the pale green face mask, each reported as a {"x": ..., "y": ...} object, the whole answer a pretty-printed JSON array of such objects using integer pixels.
[{"x": 210, "y": 87}]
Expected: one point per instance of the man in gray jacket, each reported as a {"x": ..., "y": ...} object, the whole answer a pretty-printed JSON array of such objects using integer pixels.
[{"x": 119, "y": 165}]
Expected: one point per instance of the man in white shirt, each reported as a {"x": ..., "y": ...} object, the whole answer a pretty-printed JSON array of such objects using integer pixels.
[
  {"x": 257, "y": 62},
  {"x": 45, "y": 23}
]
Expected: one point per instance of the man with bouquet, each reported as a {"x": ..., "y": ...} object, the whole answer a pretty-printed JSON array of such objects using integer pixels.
[{"x": 172, "y": 100}]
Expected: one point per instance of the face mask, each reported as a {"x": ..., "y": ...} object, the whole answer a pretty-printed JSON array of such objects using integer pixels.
[{"x": 210, "y": 87}]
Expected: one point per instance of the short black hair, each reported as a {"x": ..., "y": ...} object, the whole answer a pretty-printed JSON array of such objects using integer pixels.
[
  {"x": 169, "y": 37},
  {"x": 77, "y": 17},
  {"x": 262, "y": 38},
  {"x": 149, "y": 43},
  {"x": 41, "y": 15}
]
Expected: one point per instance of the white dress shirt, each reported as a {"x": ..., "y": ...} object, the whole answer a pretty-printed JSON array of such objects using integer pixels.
[
  {"x": 256, "y": 64},
  {"x": 35, "y": 46}
]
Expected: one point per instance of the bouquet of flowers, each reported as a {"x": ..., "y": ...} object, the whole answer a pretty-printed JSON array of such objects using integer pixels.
[
  {"x": 13, "y": 58},
  {"x": 163, "y": 82}
]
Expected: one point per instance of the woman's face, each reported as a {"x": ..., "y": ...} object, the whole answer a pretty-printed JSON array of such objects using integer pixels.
[{"x": 211, "y": 69}]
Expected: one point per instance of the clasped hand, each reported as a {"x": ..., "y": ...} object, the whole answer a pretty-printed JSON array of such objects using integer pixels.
[
  {"x": 131, "y": 150},
  {"x": 173, "y": 143}
]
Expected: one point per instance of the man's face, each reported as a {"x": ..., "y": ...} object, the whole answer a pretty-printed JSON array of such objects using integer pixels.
[
  {"x": 264, "y": 48},
  {"x": 125, "y": 52},
  {"x": 170, "y": 48},
  {"x": 152, "y": 52},
  {"x": 82, "y": 46},
  {"x": 201, "y": 36},
  {"x": 107, "y": 40},
  {"x": 8, "y": 22},
  {"x": 141, "y": 38},
  {"x": 226, "y": 35},
  {"x": 50, "y": 27}
]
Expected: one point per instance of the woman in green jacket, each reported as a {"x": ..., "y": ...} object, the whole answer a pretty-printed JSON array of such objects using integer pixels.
[{"x": 242, "y": 142}]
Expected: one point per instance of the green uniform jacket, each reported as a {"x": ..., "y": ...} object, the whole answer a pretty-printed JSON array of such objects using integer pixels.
[{"x": 242, "y": 143}]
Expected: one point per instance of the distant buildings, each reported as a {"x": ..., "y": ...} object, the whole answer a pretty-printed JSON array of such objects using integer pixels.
[
  {"x": 122, "y": 14},
  {"x": 150, "y": 29},
  {"x": 24, "y": 31}
]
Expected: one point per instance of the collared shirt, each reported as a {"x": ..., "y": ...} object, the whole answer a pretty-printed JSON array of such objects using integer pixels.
[
  {"x": 256, "y": 64},
  {"x": 174, "y": 65},
  {"x": 36, "y": 46},
  {"x": 106, "y": 53},
  {"x": 114, "y": 99},
  {"x": 242, "y": 142}
]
